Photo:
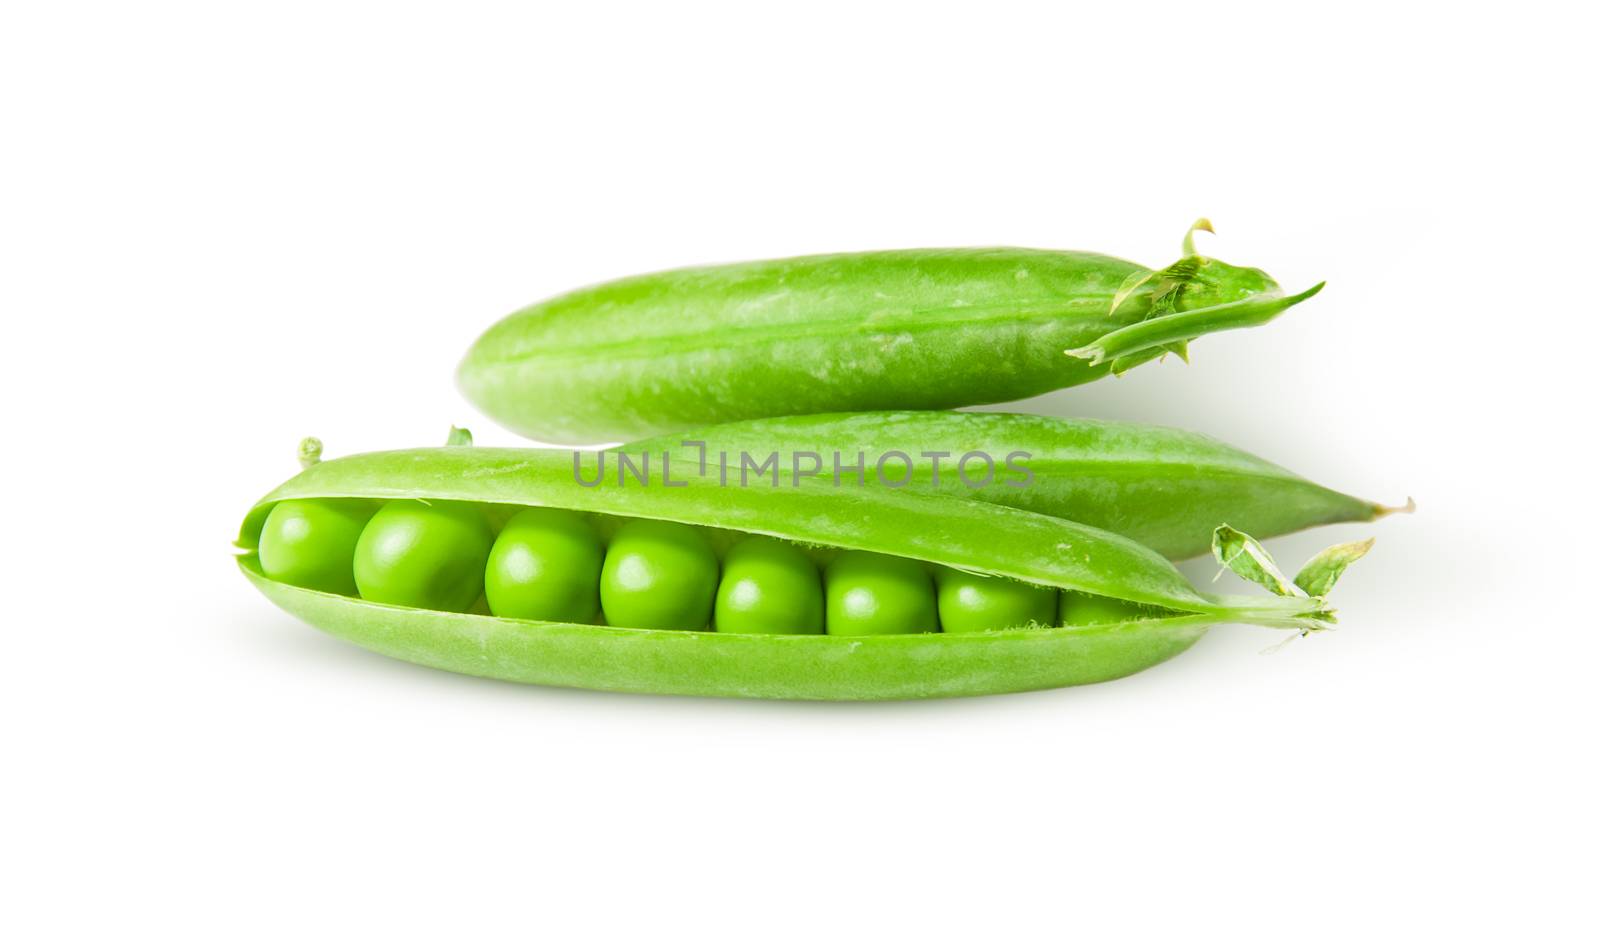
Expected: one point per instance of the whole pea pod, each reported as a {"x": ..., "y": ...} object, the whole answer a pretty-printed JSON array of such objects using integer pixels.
[
  {"x": 467, "y": 489},
  {"x": 918, "y": 329},
  {"x": 1164, "y": 488}
]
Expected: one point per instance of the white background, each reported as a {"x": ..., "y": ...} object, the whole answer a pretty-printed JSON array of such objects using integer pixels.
[{"x": 223, "y": 227}]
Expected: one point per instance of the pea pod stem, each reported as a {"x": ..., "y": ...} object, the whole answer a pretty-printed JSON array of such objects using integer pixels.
[{"x": 1179, "y": 327}]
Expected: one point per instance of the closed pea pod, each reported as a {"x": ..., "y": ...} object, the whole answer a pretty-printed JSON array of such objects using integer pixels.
[
  {"x": 965, "y": 534},
  {"x": 919, "y": 329},
  {"x": 1163, "y": 487}
]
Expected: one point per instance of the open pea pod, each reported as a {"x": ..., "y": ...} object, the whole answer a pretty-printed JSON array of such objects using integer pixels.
[
  {"x": 914, "y": 329},
  {"x": 970, "y": 535},
  {"x": 1162, "y": 487}
]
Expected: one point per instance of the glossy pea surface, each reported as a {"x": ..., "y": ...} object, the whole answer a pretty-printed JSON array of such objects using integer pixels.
[
  {"x": 769, "y": 587},
  {"x": 658, "y": 575},
  {"x": 974, "y": 603},
  {"x": 311, "y": 543},
  {"x": 545, "y": 565},
  {"x": 878, "y": 594},
  {"x": 428, "y": 555}
]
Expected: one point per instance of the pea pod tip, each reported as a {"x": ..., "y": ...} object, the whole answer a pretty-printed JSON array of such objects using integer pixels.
[{"x": 1409, "y": 507}]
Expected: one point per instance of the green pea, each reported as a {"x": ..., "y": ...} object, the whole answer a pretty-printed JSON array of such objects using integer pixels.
[
  {"x": 658, "y": 575},
  {"x": 769, "y": 587},
  {"x": 546, "y": 565},
  {"x": 310, "y": 543},
  {"x": 974, "y": 603},
  {"x": 429, "y": 555},
  {"x": 878, "y": 594},
  {"x": 1084, "y": 609}
]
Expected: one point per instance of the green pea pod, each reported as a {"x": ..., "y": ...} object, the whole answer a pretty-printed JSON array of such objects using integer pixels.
[
  {"x": 966, "y": 534},
  {"x": 925, "y": 329},
  {"x": 1164, "y": 488}
]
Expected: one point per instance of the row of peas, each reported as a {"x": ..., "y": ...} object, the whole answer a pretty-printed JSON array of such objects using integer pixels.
[{"x": 554, "y": 565}]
